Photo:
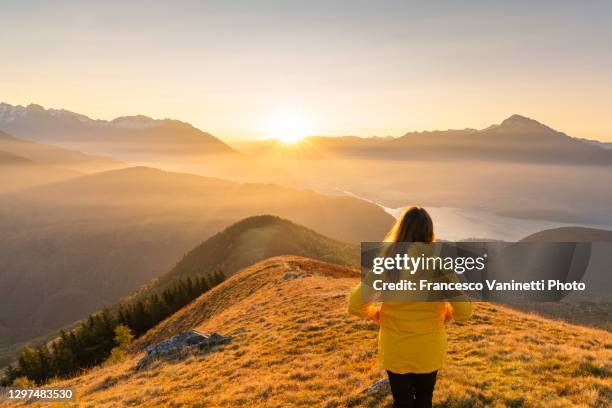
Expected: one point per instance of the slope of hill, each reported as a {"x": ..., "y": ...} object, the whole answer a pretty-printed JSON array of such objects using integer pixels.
[
  {"x": 70, "y": 248},
  {"x": 17, "y": 172},
  {"x": 128, "y": 138},
  {"x": 55, "y": 156},
  {"x": 570, "y": 234},
  {"x": 9, "y": 159},
  {"x": 255, "y": 239},
  {"x": 294, "y": 345}
]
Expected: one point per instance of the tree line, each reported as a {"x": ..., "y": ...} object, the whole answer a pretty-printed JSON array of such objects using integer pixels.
[{"x": 92, "y": 341}]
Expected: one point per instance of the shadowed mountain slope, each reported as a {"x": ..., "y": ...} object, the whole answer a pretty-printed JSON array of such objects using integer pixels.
[{"x": 294, "y": 345}]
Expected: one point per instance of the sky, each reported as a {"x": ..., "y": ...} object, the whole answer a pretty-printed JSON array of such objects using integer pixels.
[{"x": 243, "y": 69}]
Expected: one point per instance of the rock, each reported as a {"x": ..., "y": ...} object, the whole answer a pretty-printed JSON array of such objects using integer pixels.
[
  {"x": 297, "y": 275},
  {"x": 377, "y": 386},
  {"x": 180, "y": 345}
]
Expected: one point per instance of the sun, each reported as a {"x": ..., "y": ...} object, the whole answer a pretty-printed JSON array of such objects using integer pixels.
[{"x": 289, "y": 127}]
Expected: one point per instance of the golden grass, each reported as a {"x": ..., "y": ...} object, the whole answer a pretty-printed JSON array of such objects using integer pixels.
[{"x": 296, "y": 346}]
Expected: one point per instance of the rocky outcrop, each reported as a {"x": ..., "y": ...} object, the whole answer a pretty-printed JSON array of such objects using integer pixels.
[
  {"x": 180, "y": 345},
  {"x": 378, "y": 386}
]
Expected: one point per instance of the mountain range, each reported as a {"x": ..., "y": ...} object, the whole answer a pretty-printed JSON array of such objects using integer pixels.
[
  {"x": 127, "y": 138},
  {"x": 140, "y": 138},
  {"x": 517, "y": 138}
]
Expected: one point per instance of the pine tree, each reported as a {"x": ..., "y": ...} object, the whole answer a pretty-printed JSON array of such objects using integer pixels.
[
  {"x": 123, "y": 338},
  {"x": 45, "y": 363},
  {"x": 29, "y": 364},
  {"x": 156, "y": 309}
]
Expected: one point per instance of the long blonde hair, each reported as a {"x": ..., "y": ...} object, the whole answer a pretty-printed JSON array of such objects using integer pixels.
[{"x": 415, "y": 225}]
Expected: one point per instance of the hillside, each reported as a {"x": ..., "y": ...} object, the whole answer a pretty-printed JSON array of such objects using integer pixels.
[
  {"x": 71, "y": 248},
  {"x": 252, "y": 240},
  {"x": 127, "y": 138},
  {"x": 26, "y": 164},
  {"x": 294, "y": 345},
  {"x": 9, "y": 159},
  {"x": 244, "y": 243},
  {"x": 49, "y": 155},
  {"x": 18, "y": 172},
  {"x": 570, "y": 234}
]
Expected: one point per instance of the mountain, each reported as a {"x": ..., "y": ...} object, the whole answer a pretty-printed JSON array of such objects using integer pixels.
[
  {"x": 252, "y": 240},
  {"x": 72, "y": 247},
  {"x": 242, "y": 244},
  {"x": 128, "y": 138},
  {"x": 294, "y": 344},
  {"x": 517, "y": 138}
]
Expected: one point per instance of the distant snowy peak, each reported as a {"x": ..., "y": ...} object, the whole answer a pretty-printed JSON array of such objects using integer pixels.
[
  {"x": 12, "y": 113},
  {"x": 519, "y": 123},
  {"x": 128, "y": 138},
  {"x": 9, "y": 113},
  {"x": 144, "y": 122}
]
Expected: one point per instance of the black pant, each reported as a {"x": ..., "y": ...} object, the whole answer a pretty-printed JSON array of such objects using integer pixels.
[{"x": 412, "y": 390}]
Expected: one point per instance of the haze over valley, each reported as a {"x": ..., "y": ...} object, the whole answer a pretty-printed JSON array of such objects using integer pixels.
[{"x": 518, "y": 168}]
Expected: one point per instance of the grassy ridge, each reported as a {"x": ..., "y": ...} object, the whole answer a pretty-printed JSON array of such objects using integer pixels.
[{"x": 295, "y": 345}]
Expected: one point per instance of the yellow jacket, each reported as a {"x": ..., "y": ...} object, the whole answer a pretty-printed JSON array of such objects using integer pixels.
[{"x": 412, "y": 338}]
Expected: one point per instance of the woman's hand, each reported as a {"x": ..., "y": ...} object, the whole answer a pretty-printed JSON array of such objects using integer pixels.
[{"x": 448, "y": 313}]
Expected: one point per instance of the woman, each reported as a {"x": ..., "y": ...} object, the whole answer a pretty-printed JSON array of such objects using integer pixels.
[{"x": 412, "y": 338}]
